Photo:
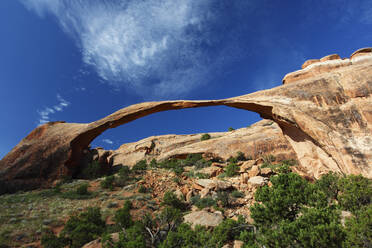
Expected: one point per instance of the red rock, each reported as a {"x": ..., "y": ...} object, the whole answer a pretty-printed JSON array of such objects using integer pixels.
[
  {"x": 309, "y": 62},
  {"x": 361, "y": 52},
  {"x": 330, "y": 57}
]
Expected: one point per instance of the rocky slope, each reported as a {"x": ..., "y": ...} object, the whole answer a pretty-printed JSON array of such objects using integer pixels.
[{"x": 324, "y": 112}]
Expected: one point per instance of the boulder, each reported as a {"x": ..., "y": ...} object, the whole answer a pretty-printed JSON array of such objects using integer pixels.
[
  {"x": 212, "y": 171},
  {"x": 254, "y": 171},
  {"x": 246, "y": 165},
  {"x": 203, "y": 218},
  {"x": 266, "y": 172},
  {"x": 213, "y": 184},
  {"x": 257, "y": 181}
]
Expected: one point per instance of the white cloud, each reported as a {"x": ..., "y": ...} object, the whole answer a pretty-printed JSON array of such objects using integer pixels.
[
  {"x": 149, "y": 46},
  {"x": 44, "y": 115},
  {"x": 108, "y": 141}
]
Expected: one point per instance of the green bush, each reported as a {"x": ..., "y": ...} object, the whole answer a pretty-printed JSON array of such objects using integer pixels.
[
  {"x": 240, "y": 156},
  {"x": 122, "y": 216},
  {"x": 184, "y": 236},
  {"x": 231, "y": 129},
  {"x": 83, "y": 228},
  {"x": 50, "y": 240},
  {"x": 170, "y": 199},
  {"x": 356, "y": 192},
  {"x": 282, "y": 201},
  {"x": 295, "y": 212},
  {"x": 205, "y": 136},
  {"x": 142, "y": 189},
  {"x": 202, "y": 202},
  {"x": 108, "y": 182},
  {"x": 82, "y": 189},
  {"x": 153, "y": 163},
  {"x": 140, "y": 166},
  {"x": 237, "y": 194},
  {"x": 231, "y": 170},
  {"x": 123, "y": 176},
  {"x": 359, "y": 229},
  {"x": 92, "y": 171},
  {"x": 224, "y": 198},
  {"x": 81, "y": 192}
]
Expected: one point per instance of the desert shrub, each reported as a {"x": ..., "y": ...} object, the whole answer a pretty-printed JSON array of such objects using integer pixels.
[
  {"x": 140, "y": 166},
  {"x": 177, "y": 164},
  {"x": 184, "y": 236},
  {"x": 230, "y": 129},
  {"x": 178, "y": 170},
  {"x": 237, "y": 194},
  {"x": 142, "y": 189},
  {"x": 81, "y": 192},
  {"x": 201, "y": 175},
  {"x": 83, "y": 228},
  {"x": 281, "y": 201},
  {"x": 108, "y": 182},
  {"x": 122, "y": 216},
  {"x": 329, "y": 185},
  {"x": 82, "y": 189},
  {"x": 177, "y": 179},
  {"x": 356, "y": 192},
  {"x": 166, "y": 221},
  {"x": 153, "y": 163},
  {"x": 123, "y": 176},
  {"x": 290, "y": 162},
  {"x": 202, "y": 163},
  {"x": 240, "y": 156},
  {"x": 50, "y": 240},
  {"x": 205, "y": 136},
  {"x": 293, "y": 213},
  {"x": 202, "y": 202},
  {"x": 359, "y": 229},
  {"x": 232, "y": 159},
  {"x": 92, "y": 171},
  {"x": 224, "y": 198},
  {"x": 170, "y": 199},
  {"x": 228, "y": 230},
  {"x": 231, "y": 170}
]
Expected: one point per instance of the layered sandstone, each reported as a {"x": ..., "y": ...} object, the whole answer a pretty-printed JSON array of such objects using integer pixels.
[
  {"x": 324, "y": 111},
  {"x": 262, "y": 138}
]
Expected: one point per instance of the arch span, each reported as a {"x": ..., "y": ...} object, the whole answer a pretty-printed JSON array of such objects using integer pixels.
[{"x": 326, "y": 118}]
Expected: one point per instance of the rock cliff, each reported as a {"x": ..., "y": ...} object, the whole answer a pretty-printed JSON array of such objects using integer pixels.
[{"x": 324, "y": 112}]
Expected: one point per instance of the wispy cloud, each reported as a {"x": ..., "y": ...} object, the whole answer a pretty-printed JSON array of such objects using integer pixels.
[
  {"x": 154, "y": 47},
  {"x": 44, "y": 114},
  {"x": 108, "y": 141}
]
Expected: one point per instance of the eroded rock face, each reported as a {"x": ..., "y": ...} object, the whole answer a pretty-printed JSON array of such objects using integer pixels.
[
  {"x": 324, "y": 112},
  {"x": 262, "y": 138}
]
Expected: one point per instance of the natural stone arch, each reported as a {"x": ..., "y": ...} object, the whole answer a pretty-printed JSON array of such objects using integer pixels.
[{"x": 326, "y": 117}]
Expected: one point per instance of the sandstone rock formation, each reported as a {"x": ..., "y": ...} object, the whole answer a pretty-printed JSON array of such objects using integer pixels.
[
  {"x": 323, "y": 110},
  {"x": 263, "y": 137}
]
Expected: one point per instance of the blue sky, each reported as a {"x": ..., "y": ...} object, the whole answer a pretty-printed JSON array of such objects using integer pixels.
[{"x": 80, "y": 60}]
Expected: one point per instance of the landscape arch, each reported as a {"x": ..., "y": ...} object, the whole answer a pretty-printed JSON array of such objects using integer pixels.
[{"x": 324, "y": 118}]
